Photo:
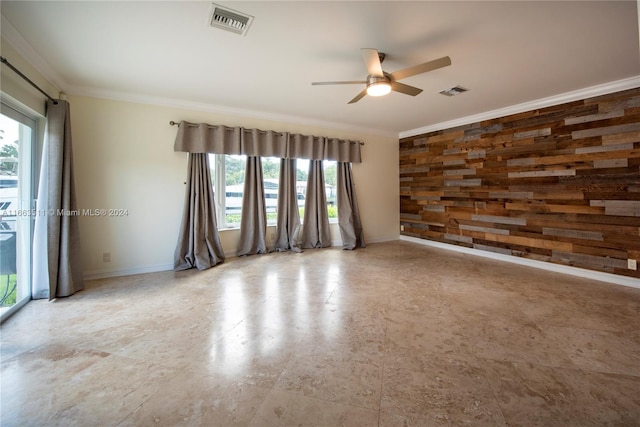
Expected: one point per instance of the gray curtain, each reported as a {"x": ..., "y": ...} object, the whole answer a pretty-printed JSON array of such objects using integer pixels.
[
  {"x": 198, "y": 243},
  {"x": 348, "y": 212},
  {"x": 253, "y": 224},
  {"x": 288, "y": 224},
  {"x": 219, "y": 139},
  {"x": 57, "y": 260},
  {"x": 315, "y": 230}
]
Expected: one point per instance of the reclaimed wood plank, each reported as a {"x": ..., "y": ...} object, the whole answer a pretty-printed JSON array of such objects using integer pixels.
[
  {"x": 490, "y": 230},
  {"x": 542, "y": 173},
  {"x": 547, "y": 207},
  {"x": 606, "y": 130},
  {"x": 622, "y": 207},
  {"x": 573, "y": 234},
  {"x": 594, "y": 117},
  {"x": 611, "y": 163},
  {"x": 532, "y": 133},
  {"x": 528, "y": 241},
  {"x": 621, "y": 138}
]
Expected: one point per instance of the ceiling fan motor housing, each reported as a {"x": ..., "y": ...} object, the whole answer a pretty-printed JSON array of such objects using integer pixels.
[{"x": 372, "y": 80}]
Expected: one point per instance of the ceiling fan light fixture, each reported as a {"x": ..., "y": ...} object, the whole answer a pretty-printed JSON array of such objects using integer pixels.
[
  {"x": 378, "y": 89},
  {"x": 378, "y": 86}
]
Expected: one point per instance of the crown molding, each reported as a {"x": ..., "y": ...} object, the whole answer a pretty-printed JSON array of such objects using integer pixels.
[
  {"x": 19, "y": 44},
  {"x": 221, "y": 109},
  {"x": 589, "y": 92}
]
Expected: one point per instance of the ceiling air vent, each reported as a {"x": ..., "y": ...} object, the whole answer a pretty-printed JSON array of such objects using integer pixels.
[
  {"x": 453, "y": 91},
  {"x": 229, "y": 19}
]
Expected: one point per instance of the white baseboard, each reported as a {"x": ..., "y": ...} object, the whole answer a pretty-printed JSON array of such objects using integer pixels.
[
  {"x": 104, "y": 274},
  {"x": 565, "y": 269}
]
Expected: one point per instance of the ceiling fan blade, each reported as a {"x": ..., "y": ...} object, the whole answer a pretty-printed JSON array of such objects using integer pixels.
[
  {"x": 406, "y": 89},
  {"x": 347, "y": 82},
  {"x": 372, "y": 61},
  {"x": 358, "y": 97},
  {"x": 445, "y": 61}
]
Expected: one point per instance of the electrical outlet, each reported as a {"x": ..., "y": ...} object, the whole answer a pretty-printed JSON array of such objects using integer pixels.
[
  {"x": 402, "y": 228},
  {"x": 632, "y": 264},
  {"x": 106, "y": 257}
]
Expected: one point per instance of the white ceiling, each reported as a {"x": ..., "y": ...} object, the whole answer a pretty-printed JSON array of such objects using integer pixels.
[{"x": 505, "y": 53}]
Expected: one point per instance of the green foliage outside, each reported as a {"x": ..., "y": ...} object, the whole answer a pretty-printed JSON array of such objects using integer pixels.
[
  {"x": 232, "y": 219},
  {"x": 235, "y": 218},
  {"x": 11, "y": 298},
  {"x": 9, "y": 151},
  {"x": 270, "y": 168},
  {"x": 333, "y": 211},
  {"x": 330, "y": 174},
  {"x": 234, "y": 168}
]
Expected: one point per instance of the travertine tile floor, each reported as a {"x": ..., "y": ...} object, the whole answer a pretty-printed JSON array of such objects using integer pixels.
[{"x": 395, "y": 334}]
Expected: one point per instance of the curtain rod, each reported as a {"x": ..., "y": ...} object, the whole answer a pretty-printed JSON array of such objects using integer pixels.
[
  {"x": 172, "y": 123},
  {"x": 18, "y": 72}
]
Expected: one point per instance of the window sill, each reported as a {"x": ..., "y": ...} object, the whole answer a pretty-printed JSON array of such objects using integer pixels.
[{"x": 331, "y": 222}]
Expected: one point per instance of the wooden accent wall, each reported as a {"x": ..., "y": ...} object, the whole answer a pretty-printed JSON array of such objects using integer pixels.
[{"x": 559, "y": 184}]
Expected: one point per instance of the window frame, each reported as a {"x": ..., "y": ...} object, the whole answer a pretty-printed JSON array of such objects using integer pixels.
[
  {"x": 32, "y": 150},
  {"x": 219, "y": 178}
]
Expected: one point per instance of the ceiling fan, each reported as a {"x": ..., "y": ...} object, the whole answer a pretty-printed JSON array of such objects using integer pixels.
[{"x": 380, "y": 83}]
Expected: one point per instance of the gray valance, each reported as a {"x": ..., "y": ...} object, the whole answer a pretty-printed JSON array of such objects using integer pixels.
[{"x": 220, "y": 139}]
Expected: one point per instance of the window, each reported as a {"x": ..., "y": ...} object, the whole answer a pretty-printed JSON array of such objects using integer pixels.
[
  {"x": 17, "y": 177},
  {"x": 330, "y": 181},
  {"x": 271, "y": 179},
  {"x": 330, "y": 176},
  {"x": 227, "y": 173}
]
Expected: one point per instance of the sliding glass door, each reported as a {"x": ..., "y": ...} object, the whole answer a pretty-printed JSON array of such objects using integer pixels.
[{"x": 17, "y": 155}]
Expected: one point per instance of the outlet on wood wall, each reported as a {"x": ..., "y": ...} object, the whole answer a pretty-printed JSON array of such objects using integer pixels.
[{"x": 559, "y": 184}]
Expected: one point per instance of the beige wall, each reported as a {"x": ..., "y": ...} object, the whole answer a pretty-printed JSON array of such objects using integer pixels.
[{"x": 124, "y": 159}]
